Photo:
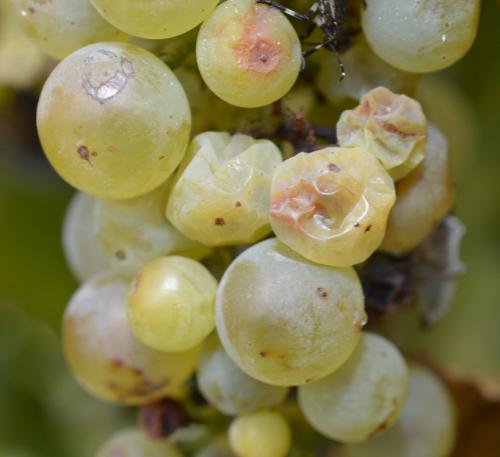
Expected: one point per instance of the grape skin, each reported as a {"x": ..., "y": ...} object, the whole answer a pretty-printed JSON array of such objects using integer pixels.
[
  {"x": 223, "y": 186},
  {"x": 363, "y": 397},
  {"x": 248, "y": 54},
  {"x": 170, "y": 304},
  {"x": 331, "y": 206},
  {"x": 104, "y": 356},
  {"x": 125, "y": 118},
  {"x": 228, "y": 388},
  {"x": 284, "y": 320}
]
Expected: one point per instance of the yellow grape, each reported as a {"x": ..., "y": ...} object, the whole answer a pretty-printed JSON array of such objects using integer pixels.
[
  {"x": 363, "y": 397},
  {"x": 248, "y": 54},
  {"x": 155, "y": 18},
  {"x": 171, "y": 304},
  {"x": 105, "y": 357},
  {"x": 113, "y": 120},
  {"x": 331, "y": 206},
  {"x": 391, "y": 126},
  {"x": 221, "y": 192},
  {"x": 287, "y": 321},
  {"x": 261, "y": 434}
]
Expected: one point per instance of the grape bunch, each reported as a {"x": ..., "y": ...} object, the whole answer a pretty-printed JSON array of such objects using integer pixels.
[{"x": 245, "y": 214}]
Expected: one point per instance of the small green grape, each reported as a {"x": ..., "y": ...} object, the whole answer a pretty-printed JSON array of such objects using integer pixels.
[
  {"x": 155, "y": 18},
  {"x": 363, "y": 397},
  {"x": 171, "y": 304},
  {"x": 60, "y": 27},
  {"x": 221, "y": 192},
  {"x": 228, "y": 388},
  {"x": 331, "y": 206},
  {"x": 424, "y": 197},
  {"x": 106, "y": 358},
  {"x": 391, "y": 126},
  {"x": 83, "y": 253},
  {"x": 113, "y": 120},
  {"x": 248, "y": 54},
  {"x": 284, "y": 320},
  {"x": 420, "y": 36},
  {"x": 426, "y": 427},
  {"x": 134, "y": 443},
  {"x": 134, "y": 231},
  {"x": 260, "y": 434}
]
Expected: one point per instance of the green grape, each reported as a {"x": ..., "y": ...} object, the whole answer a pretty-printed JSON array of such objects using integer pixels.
[
  {"x": 155, "y": 18},
  {"x": 284, "y": 320},
  {"x": 248, "y": 54},
  {"x": 365, "y": 71},
  {"x": 221, "y": 193},
  {"x": 391, "y": 126},
  {"x": 171, "y": 304},
  {"x": 219, "y": 447},
  {"x": 134, "y": 231},
  {"x": 60, "y": 27},
  {"x": 426, "y": 427},
  {"x": 105, "y": 357},
  {"x": 424, "y": 197},
  {"x": 420, "y": 36},
  {"x": 113, "y": 120},
  {"x": 363, "y": 397},
  {"x": 228, "y": 388},
  {"x": 134, "y": 443},
  {"x": 81, "y": 249},
  {"x": 331, "y": 206},
  {"x": 260, "y": 434}
]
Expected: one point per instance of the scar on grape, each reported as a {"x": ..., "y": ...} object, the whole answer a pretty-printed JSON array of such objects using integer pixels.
[
  {"x": 120, "y": 255},
  {"x": 321, "y": 292},
  {"x": 220, "y": 221}
]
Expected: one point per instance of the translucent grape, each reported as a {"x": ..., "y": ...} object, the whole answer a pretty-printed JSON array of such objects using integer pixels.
[
  {"x": 125, "y": 119},
  {"x": 105, "y": 357},
  {"x": 284, "y": 320},
  {"x": 155, "y": 18},
  {"x": 261, "y": 434},
  {"x": 224, "y": 186},
  {"x": 171, "y": 304},
  {"x": 424, "y": 197},
  {"x": 248, "y": 54},
  {"x": 219, "y": 447},
  {"x": 391, "y": 126},
  {"x": 331, "y": 206},
  {"x": 134, "y": 231},
  {"x": 420, "y": 36},
  {"x": 60, "y": 27},
  {"x": 228, "y": 388},
  {"x": 363, "y": 397},
  {"x": 81, "y": 249},
  {"x": 426, "y": 427},
  {"x": 134, "y": 443}
]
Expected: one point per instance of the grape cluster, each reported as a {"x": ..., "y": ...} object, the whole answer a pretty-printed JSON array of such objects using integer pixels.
[{"x": 228, "y": 205}]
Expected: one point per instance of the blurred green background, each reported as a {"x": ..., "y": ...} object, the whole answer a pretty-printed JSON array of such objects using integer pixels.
[{"x": 43, "y": 413}]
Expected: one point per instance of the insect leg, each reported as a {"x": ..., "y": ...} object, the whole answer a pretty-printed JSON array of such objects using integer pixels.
[
  {"x": 283, "y": 9},
  {"x": 331, "y": 43}
]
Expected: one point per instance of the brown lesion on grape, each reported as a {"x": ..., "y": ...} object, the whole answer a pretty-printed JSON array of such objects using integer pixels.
[
  {"x": 84, "y": 153},
  {"x": 321, "y": 292},
  {"x": 121, "y": 255},
  {"x": 333, "y": 167},
  {"x": 220, "y": 221},
  {"x": 368, "y": 228},
  {"x": 263, "y": 353},
  {"x": 238, "y": 204}
]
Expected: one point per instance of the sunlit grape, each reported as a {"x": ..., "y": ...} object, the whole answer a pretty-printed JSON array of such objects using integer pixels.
[
  {"x": 284, "y": 320},
  {"x": 105, "y": 357},
  {"x": 155, "y": 18},
  {"x": 134, "y": 231},
  {"x": 134, "y": 443},
  {"x": 261, "y": 434},
  {"x": 171, "y": 304},
  {"x": 363, "y": 397},
  {"x": 113, "y": 120},
  {"x": 331, "y": 206},
  {"x": 424, "y": 197},
  {"x": 391, "y": 126},
  {"x": 60, "y": 27},
  {"x": 248, "y": 54},
  {"x": 420, "y": 36},
  {"x": 426, "y": 427},
  {"x": 221, "y": 194},
  {"x": 228, "y": 388},
  {"x": 81, "y": 249}
]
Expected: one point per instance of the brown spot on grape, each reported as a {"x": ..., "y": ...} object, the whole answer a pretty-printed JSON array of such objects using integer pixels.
[
  {"x": 368, "y": 228},
  {"x": 84, "y": 153},
  {"x": 161, "y": 419},
  {"x": 120, "y": 255},
  {"x": 238, "y": 204},
  {"x": 333, "y": 167},
  {"x": 309, "y": 380},
  {"x": 321, "y": 292},
  {"x": 117, "y": 363},
  {"x": 162, "y": 157},
  {"x": 32, "y": 10},
  {"x": 263, "y": 353},
  {"x": 220, "y": 221},
  {"x": 357, "y": 224}
]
